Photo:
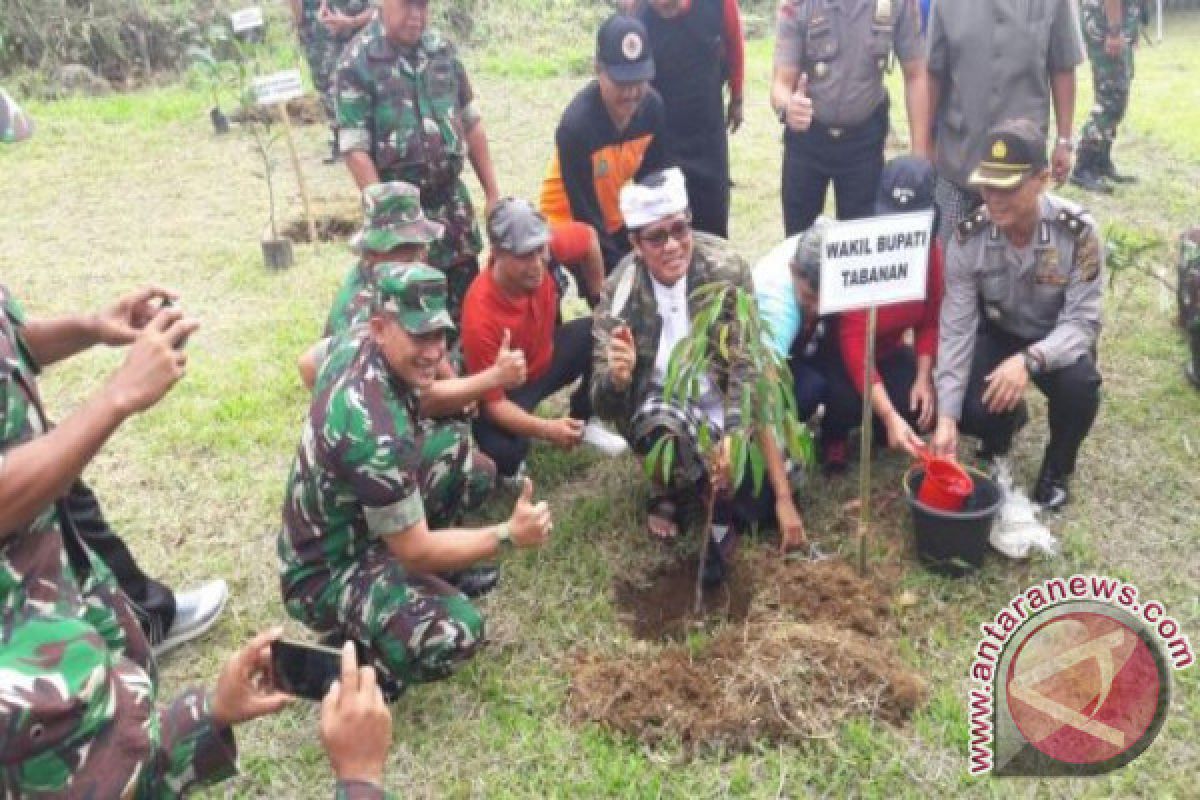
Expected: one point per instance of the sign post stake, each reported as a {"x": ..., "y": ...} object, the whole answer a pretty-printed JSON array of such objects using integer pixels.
[
  {"x": 291, "y": 143},
  {"x": 868, "y": 427}
]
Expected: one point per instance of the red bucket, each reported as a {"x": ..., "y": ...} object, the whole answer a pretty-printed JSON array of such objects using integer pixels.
[{"x": 946, "y": 486}]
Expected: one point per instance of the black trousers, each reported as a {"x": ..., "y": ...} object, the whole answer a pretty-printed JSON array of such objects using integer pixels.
[
  {"x": 708, "y": 198},
  {"x": 843, "y": 402},
  {"x": 572, "y": 360},
  {"x": 152, "y": 601},
  {"x": 852, "y": 160},
  {"x": 1072, "y": 395}
]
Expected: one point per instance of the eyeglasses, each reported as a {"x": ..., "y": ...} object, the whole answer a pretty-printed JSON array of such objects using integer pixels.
[{"x": 679, "y": 230}]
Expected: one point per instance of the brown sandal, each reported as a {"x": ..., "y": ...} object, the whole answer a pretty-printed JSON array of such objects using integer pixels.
[{"x": 662, "y": 519}]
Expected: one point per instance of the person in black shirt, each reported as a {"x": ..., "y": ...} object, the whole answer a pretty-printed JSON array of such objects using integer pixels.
[{"x": 611, "y": 133}]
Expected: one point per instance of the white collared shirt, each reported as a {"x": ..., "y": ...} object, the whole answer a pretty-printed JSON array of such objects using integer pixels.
[{"x": 672, "y": 302}]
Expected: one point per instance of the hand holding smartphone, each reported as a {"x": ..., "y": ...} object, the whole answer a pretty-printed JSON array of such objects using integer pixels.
[{"x": 305, "y": 670}]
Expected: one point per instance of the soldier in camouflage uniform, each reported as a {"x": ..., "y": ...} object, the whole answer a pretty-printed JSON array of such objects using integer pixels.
[
  {"x": 356, "y": 549},
  {"x": 325, "y": 27},
  {"x": 77, "y": 679},
  {"x": 647, "y": 307},
  {"x": 394, "y": 229},
  {"x": 406, "y": 111},
  {"x": 1110, "y": 29}
]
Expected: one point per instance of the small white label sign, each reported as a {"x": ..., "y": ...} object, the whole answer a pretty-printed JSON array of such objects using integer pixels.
[
  {"x": 278, "y": 87},
  {"x": 875, "y": 261},
  {"x": 246, "y": 19}
]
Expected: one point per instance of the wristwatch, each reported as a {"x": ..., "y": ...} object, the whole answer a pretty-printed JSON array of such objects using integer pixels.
[
  {"x": 1033, "y": 365},
  {"x": 781, "y": 113},
  {"x": 1067, "y": 142},
  {"x": 504, "y": 535}
]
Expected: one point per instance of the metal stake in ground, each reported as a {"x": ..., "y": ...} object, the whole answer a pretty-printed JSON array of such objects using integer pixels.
[{"x": 864, "y": 470}]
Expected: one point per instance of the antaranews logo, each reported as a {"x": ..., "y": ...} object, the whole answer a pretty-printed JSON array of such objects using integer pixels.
[{"x": 1072, "y": 677}]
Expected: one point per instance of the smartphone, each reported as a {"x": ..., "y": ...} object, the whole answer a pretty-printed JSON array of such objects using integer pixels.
[{"x": 305, "y": 670}]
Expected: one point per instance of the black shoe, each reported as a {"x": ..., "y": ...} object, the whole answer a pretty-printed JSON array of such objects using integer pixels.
[
  {"x": 1090, "y": 181},
  {"x": 713, "y": 574},
  {"x": 476, "y": 581},
  {"x": 1109, "y": 170},
  {"x": 1050, "y": 490}
]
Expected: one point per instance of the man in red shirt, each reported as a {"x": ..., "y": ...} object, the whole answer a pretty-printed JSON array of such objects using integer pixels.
[
  {"x": 902, "y": 394},
  {"x": 514, "y": 304}
]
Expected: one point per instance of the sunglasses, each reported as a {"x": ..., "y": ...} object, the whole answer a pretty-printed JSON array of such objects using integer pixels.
[{"x": 679, "y": 230}]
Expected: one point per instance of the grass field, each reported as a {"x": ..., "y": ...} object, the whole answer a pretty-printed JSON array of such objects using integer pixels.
[{"x": 117, "y": 191}]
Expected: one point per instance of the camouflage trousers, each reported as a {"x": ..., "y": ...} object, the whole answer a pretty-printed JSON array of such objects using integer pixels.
[
  {"x": 414, "y": 628},
  {"x": 1111, "y": 78},
  {"x": 322, "y": 51}
]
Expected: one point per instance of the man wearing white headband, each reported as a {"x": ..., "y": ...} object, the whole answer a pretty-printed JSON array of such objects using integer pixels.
[{"x": 646, "y": 309}]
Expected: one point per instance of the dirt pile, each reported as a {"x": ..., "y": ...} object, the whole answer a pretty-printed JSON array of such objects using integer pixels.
[
  {"x": 815, "y": 648},
  {"x": 333, "y": 226},
  {"x": 660, "y": 607},
  {"x": 301, "y": 111}
]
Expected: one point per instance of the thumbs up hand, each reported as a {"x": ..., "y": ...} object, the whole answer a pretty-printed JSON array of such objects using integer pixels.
[
  {"x": 800, "y": 108},
  {"x": 509, "y": 369},
  {"x": 530, "y": 523}
]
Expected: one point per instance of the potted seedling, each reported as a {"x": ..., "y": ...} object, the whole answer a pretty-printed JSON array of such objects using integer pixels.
[
  {"x": 276, "y": 249},
  {"x": 726, "y": 344},
  {"x": 217, "y": 73}
]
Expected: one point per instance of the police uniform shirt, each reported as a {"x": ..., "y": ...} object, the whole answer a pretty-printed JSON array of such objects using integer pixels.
[
  {"x": 994, "y": 59},
  {"x": 844, "y": 46},
  {"x": 1048, "y": 293}
]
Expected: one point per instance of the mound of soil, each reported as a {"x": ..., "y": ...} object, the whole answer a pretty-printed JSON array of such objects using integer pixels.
[
  {"x": 772, "y": 680},
  {"x": 301, "y": 111},
  {"x": 822, "y": 591},
  {"x": 813, "y": 647},
  {"x": 334, "y": 226},
  {"x": 661, "y": 606}
]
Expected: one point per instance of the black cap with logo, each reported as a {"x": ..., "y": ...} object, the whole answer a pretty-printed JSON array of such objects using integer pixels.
[{"x": 623, "y": 50}]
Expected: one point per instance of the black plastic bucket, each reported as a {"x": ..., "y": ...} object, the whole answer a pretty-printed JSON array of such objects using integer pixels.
[{"x": 953, "y": 542}]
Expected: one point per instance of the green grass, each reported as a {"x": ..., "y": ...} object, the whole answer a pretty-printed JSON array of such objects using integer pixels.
[{"x": 119, "y": 190}]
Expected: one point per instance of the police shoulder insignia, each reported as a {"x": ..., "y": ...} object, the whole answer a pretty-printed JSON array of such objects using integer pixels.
[
  {"x": 974, "y": 222},
  {"x": 1074, "y": 222},
  {"x": 1087, "y": 255}
]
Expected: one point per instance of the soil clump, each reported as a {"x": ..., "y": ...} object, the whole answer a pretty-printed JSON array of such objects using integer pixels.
[
  {"x": 335, "y": 226},
  {"x": 815, "y": 647},
  {"x": 301, "y": 111}
]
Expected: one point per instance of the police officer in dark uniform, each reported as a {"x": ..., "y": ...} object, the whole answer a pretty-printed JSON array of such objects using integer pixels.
[
  {"x": 1024, "y": 293},
  {"x": 827, "y": 89}
]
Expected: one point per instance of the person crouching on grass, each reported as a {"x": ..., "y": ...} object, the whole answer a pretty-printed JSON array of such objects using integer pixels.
[{"x": 647, "y": 308}]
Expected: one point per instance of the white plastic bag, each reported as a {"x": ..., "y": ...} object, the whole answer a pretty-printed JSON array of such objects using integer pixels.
[{"x": 1017, "y": 530}]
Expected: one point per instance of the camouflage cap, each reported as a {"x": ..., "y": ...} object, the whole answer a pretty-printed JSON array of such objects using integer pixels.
[
  {"x": 415, "y": 294},
  {"x": 392, "y": 217}
]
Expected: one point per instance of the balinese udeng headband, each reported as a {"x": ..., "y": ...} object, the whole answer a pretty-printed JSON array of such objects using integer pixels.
[{"x": 658, "y": 195}]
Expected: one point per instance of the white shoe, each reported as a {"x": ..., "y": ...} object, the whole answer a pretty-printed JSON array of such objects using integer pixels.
[
  {"x": 196, "y": 611},
  {"x": 604, "y": 440}
]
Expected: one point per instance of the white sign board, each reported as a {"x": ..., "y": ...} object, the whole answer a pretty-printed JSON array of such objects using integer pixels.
[
  {"x": 278, "y": 87},
  {"x": 247, "y": 19},
  {"x": 875, "y": 261}
]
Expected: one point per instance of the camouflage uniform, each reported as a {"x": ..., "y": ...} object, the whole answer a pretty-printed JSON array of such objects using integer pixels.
[
  {"x": 364, "y": 470},
  {"x": 640, "y": 412},
  {"x": 1111, "y": 78},
  {"x": 393, "y": 217},
  {"x": 411, "y": 114},
  {"x": 77, "y": 681},
  {"x": 322, "y": 48}
]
